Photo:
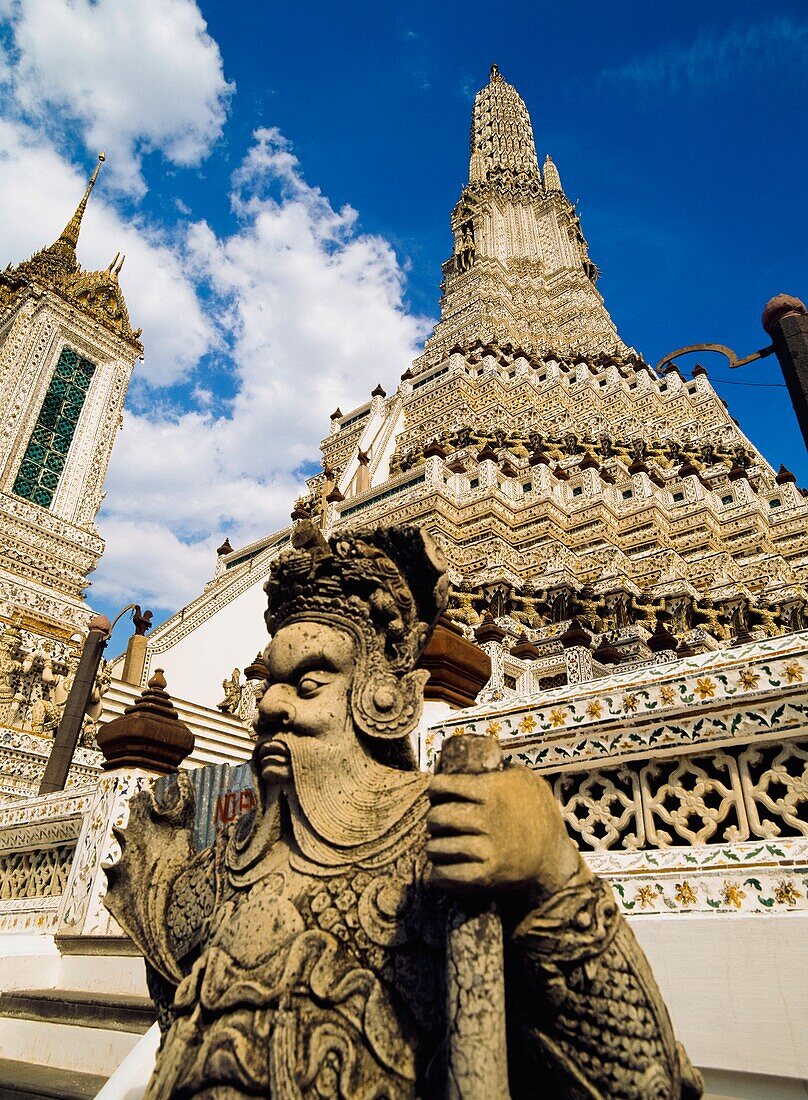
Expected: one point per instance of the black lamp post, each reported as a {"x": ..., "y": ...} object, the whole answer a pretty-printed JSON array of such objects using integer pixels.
[
  {"x": 785, "y": 319},
  {"x": 67, "y": 735}
]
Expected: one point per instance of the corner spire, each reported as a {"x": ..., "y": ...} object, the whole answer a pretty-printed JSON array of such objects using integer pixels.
[
  {"x": 68, "y": 239},
  {"x": 552, "y": 180}
]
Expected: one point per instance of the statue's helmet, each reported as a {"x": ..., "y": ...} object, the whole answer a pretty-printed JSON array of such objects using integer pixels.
[{"x": 385, "y": 587}]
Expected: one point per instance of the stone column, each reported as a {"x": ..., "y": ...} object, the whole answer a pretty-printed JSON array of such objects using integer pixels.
[
  {"x": 489, "y": 638},
  {"x": 577, "y": 644},
  {"x": 135, "y": 660}
]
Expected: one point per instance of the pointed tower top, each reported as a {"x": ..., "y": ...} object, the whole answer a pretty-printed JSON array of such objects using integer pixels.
[
  {"x": 552, "y": 180},
  {"x": 68, "y": 239},
  {"x": 502, "y": 143}
]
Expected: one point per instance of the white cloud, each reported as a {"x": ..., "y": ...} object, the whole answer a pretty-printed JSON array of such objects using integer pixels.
[
  {"x": 712, "y": 59},
  {"x": 303, "y": 308},
  {"x": 39, "y": 190},
  {"x": 315, "y": 314},
  {"x": 136, "y": 76}
]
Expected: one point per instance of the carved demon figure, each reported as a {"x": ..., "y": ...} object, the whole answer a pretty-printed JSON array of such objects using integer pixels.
[{"x": 303, "y": 955}]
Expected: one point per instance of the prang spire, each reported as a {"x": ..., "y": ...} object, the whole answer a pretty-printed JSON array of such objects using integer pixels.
[
  {"x": 502, "y": 145},
  {"x": 65, "y": 245},
  {"x": 552, "y": 180}
]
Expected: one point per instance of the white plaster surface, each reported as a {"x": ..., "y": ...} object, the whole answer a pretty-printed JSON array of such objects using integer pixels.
[
  {"x": 104, "y": 974},
  {"x": 720, "y": 1085},
  {"x": 736, "y": 990},
  {"x": 196, "y": 665},
  {"x": 28, "y": 962}
]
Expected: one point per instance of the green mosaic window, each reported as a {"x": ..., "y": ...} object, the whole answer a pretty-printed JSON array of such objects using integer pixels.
[{"x": 46, "y": 453}]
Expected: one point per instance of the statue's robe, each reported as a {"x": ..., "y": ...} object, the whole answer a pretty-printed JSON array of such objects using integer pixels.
[{"x": 302, "y": 956}]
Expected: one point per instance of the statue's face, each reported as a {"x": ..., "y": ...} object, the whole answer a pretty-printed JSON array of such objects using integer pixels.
[{"x": 308, "y": 694}]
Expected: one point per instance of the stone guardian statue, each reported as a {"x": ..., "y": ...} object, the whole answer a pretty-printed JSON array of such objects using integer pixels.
[{"x": 304, "y": 954}]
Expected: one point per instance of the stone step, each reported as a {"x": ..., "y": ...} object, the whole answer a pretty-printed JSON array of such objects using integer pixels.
[
  {"x": 112, "y": 1011},
  {"x": 19, "y": 1080}
]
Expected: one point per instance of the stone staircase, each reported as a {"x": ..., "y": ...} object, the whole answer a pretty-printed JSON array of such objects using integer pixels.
[
  {"x": 65, "y": 1037},
  {"x": 21, "y": 1080}
]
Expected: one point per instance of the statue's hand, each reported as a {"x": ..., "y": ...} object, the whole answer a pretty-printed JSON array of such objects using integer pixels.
[{"x": 498, "y": 831}]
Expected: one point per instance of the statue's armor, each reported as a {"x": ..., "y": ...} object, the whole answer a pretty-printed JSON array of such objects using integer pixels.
[
  {"x": 335, "y": 975},
  {"x": 284, "y": 977}
]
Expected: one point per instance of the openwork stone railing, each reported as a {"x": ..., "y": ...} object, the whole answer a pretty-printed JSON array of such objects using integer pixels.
[
  {"x": 686, "y": 783},
  {"x": 720, "y": 797},
  {"x": 38, "y": 840}
]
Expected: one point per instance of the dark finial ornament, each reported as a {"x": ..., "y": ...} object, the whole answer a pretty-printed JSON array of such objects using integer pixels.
[
  {"x": 781, "y": 305},
  {"x": 576, "y": 636},
  {"x": 488, "y": 631},
  {"x": 662, "y": 640},
  {"x": 148, "y": 735},
  {"x": 142, "y": 621}
]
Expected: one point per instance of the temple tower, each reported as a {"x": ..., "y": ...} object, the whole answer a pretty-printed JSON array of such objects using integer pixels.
[
  {"x": 520, "y": 272},
  {"x": 66, "y": 355}
]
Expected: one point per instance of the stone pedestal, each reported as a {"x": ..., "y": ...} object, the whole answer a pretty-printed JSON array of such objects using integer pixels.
[
  {"x": 135, "y": 660},
  {"x": 149, "y": 740}
]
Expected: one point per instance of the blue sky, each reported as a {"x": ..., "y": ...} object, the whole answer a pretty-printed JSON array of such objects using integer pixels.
[{"x": 281, "y": 175}]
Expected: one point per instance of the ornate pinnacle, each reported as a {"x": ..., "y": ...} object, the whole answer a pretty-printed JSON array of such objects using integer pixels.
[
  {"x": 501, "y": 135},
  {"x": 552, "y": 180},
  {"x": 68, "y": 239},
  {"x": 148, "y": 735}
]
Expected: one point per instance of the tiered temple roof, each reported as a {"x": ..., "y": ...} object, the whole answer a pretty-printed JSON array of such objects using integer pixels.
[
  {"x": 56, "y": 268},
  {"x": 549, "y": 458},
  {"x": 563, "y": 475}
]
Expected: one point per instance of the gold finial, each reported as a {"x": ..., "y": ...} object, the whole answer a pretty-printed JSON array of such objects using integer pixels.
[
  {"x": 69, "y": 237},
  {"x": 102, "y": 156},
  {"x": 495, "y": 74}
]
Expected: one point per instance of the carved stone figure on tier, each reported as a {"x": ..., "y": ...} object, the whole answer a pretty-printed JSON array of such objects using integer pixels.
[
  {"x": 644, "y": 610},
  {"x": 232, "y": 693},
  {"x": 10, "y": 664},
  {"x": 304, "y": 954},
  {"x": 587, "y": 608},
  {"x": 461, "y": 607},
  {"x": 766, "y": 618},
  {"x": 531, "y": 608},
  {"x": 709, "y": 618}
]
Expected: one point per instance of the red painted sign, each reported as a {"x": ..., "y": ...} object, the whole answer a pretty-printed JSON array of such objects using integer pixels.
[{"x": 232, "y": 804}]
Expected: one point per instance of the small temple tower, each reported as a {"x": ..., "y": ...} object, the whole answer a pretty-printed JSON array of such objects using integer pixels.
[{"x": 67, "y": 351}]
